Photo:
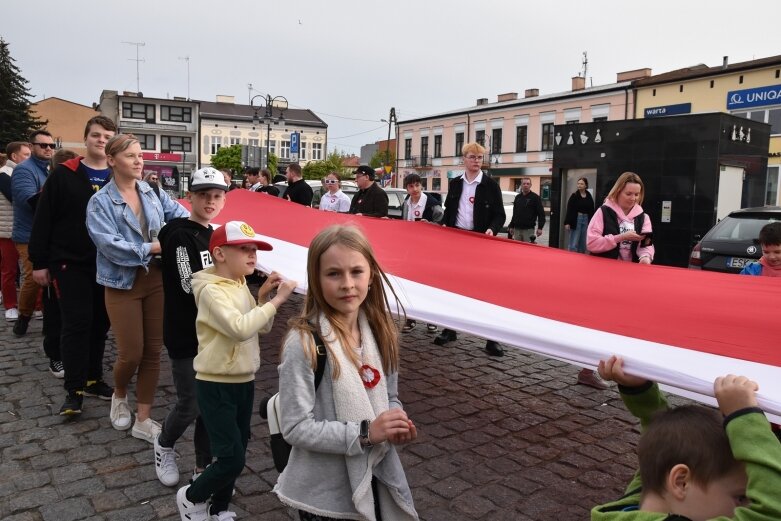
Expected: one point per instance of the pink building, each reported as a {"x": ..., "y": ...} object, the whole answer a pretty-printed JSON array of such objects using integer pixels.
[{"x": 517, "y": 133}]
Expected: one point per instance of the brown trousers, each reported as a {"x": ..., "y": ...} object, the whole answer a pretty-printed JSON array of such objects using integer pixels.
[
  {"x": 136, "y": 317},
  {"x": 30, "y": 292}
]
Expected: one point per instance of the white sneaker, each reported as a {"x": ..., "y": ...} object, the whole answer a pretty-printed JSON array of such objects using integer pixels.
[
  {"x": 11, "y": 314},
  {"x": 225, "y": 515},
  {"x": 165, "y": 465},
  {"x": 38, "y": 315},
  {"x": 146, "y": 430},
  {"x": 120, "y": 413},
  {"x": 188, "y": 510}
]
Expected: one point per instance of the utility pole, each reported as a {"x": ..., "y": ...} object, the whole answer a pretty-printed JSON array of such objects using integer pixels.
[
  {"x": 137, "y": 60},
  {"x": 391, "y": 121},
  {"x": 187, "y": 59},
  {"x": 249, "y": 96}
]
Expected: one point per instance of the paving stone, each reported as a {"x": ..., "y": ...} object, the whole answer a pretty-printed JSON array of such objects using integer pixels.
[
  {"x": 67, "y": 510},
  {"x": 33, "y": 498}
]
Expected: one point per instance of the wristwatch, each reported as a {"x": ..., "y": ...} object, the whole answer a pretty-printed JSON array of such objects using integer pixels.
[{"x": 363, "y": 434}]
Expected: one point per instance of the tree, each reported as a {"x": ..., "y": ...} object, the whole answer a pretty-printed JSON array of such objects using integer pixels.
[
  {"x": 379, "y": 157},
  {"x": 272, "y": 163},
  {"x": 228, "y": 157},
  {"x": 17, "y": 121},
  {"x": 320, "y": 169}
]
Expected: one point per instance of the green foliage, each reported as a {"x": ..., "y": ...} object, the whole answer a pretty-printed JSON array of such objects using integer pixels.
[
  {"x": 272, "y": 162},
  {"x": 379, "y": 158},
  {"x": 17, "y": 122},
  {"x": 318, "y": 169},
  {"x": 228, "y": 157}
]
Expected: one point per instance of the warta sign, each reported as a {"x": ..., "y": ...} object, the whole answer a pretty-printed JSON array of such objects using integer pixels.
[{"x": 757, "y": 97}]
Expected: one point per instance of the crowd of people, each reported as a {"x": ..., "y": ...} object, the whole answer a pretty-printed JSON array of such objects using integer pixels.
[{"x": 103, "y": 249}]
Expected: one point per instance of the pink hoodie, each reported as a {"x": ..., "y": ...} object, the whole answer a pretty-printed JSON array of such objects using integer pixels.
[{"x": 599, "y": 243}]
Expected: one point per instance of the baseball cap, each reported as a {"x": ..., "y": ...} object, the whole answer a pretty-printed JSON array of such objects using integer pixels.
[
  {"x": 234, "y": 233},
  {"x": 207, "y": 178},
  {"x": 365, "y": 170}
]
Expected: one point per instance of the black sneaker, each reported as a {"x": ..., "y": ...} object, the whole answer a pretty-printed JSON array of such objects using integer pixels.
[
  {"x": 20, "y": 326},
  {"x": 56, "y": 368},
  {"x": 98, "y": 389},
  {"x": 72, "y": 405}
]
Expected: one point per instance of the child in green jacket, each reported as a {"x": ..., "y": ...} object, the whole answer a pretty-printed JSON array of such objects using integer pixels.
[{"x": 695, "y": 464}]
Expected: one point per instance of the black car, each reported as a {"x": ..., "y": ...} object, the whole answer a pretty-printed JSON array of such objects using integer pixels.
[{"x": 730, "y": 245}]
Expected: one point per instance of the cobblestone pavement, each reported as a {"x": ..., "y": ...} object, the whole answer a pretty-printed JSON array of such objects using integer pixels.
[{"x": 499, "y": 438}]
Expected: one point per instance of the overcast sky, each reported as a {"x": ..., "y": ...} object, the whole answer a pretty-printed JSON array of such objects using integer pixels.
[{"x": 351, "y": 60}]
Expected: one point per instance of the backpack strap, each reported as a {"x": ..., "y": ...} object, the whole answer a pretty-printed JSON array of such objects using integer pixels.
[{"x": 322, "y": 355}]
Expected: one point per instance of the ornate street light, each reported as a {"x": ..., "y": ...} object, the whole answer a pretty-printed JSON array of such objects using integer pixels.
[{"x": 269, "y": 117}]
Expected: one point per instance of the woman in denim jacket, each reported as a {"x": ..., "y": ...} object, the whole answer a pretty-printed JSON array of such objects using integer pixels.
[{"x": 123, "y": 219}]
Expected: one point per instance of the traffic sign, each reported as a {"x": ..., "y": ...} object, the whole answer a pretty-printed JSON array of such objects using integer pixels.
[
  {"x": 295, "y": 139},
  {"x": 388, "y": 169}
]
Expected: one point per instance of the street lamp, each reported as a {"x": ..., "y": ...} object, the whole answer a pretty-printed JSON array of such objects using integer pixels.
[{"x": 268, "y": 117}]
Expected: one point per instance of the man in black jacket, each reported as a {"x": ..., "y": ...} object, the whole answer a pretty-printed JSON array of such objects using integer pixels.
[
  {"x": 298, "y": 190},
  {"x": 371, "y": 200},
  {"x": 527, "y": 209},
  {"x": 474, "y": 202},
  {"x": 63, "y": 256}
]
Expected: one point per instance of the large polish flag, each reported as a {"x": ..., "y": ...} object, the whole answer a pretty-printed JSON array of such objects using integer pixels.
[{"x": 682, "y": 328}]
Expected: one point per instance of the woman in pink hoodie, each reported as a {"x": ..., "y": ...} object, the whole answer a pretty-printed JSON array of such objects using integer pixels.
[{"x": 619, "y": 230}]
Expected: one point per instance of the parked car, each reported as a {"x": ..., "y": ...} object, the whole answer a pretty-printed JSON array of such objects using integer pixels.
[
  {"x": 730, "y": 245},
  {"x": 348, "y": 187},
  {"x": 396, "y": 197},
  {"x": 508, "y": 198}
]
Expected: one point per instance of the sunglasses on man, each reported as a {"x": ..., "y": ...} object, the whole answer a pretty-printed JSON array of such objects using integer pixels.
[{"x": 53, "y": 146}]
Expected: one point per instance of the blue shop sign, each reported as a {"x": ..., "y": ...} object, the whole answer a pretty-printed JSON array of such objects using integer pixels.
[
  {"x": 668, "y": 110},
  {"x": 757, "y": 97}
]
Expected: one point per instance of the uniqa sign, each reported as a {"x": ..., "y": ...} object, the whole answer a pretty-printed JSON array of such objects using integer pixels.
[{"x": 757, "y": 97}]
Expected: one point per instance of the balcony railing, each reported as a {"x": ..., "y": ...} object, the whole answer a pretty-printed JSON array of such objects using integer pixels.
[{"x": 416, "y": 162}]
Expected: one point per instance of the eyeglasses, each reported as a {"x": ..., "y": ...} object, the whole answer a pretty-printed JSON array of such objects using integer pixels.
[
  {"x": 359, "y": 174},
  {"x": 153, "y": 179},
  {"x": 45, "y": 145},
  {"x": 474, "y": 158},
  {"x": 331, "y": 181}
]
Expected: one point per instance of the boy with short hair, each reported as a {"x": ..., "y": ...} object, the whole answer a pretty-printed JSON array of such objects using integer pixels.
[
  {"x": 769, "y": 265},
  {"x": 227, "y": 325},
  {"x": 185, "y": 251},
  {"x": 696, "y": 465}
]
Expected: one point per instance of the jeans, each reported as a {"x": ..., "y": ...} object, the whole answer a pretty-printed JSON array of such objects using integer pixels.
[
  {"x": 577, "y": 236},
  {"x": 84, "y": 324},
  {"x": 185, "y": 410}
]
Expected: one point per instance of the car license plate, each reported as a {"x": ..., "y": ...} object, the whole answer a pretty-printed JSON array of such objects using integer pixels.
[{"x": 738, "y": 262}]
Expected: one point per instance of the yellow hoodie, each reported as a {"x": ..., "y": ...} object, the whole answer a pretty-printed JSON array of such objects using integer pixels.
[{"x": 227, "y": 325}]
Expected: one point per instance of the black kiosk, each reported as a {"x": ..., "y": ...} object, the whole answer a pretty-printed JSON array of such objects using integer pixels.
[{"x": 696, "y": 169}]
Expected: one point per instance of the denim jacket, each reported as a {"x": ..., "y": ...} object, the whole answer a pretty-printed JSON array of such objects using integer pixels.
[{"x": 117, "y": 233}]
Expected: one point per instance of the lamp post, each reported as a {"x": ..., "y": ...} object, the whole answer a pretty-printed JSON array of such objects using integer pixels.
[
  {"x": 391, "y": 120},
  {"x": 268, "y": 117}
]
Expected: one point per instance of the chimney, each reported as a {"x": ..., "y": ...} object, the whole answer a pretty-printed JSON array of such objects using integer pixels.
[
  {"x": 129, "y": 93},
  {"x": 482, "y": 101},
  {"x": 578, "y": 83},
  {"x": 637, "y": 74},
  {"x": 225, "y": 99},
  {"x": 509, "y": 96},
  {"x": 725, "y": 62},
  {"x": 531, "y": 93}
]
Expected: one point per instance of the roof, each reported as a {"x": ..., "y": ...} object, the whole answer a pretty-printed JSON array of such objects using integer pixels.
[
  {"x": 559, "y": 96},
  {"x": 701, "y": 70},
  {"x": 51, "y": 98},
  {"x": 216, "y": 110}
]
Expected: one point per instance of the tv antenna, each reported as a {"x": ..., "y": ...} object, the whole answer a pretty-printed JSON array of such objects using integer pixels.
[
  {"x": 187, "y": 59},
  {"x": 138, "y": 61},
  {"x": 585, "y": 65}
]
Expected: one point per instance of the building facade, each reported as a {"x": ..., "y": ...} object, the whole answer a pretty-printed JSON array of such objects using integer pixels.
[
  {"x": 166, "y": 128},
  {"x": 66, "y": 121},
  {"x": 517, "y": 133},
  {"x": 749, "y": 89},
  {"x": 225, "y": 123}
]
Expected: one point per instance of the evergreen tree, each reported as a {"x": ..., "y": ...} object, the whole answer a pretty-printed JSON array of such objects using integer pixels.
[{"x": 16, "y": 122}]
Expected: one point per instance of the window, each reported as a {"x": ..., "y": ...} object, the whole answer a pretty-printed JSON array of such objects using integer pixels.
[
  {"x": 438, "y": 146},
  {"x": 317, "y": 151},
  {"x": 302, "y": 151},
  {"x": 436, "y": 183},
  {"x": 176, "y": 144},
  {"x": 547, "y": 136},
  {"x": 521, "y": 137},
  {"x": 480, "y": 137},
  {"x": 407, "y": 148},
  {"x": 596, "y": 120},
  {"x": 272, "y": 147},
  {"x": 572, "y": 122},
  {"x": 216, "y": 144},
  {"x": 284, "y": 149},
  {"x": 496, "y": 141},
  {"x": 770, "y": 116},
  {"x": 712, "y": 83},
  {"x": 181, "y": 114},
  {"x": 423, "y": 149},
  {"x": 147, "y": 141},
  {"x": 459, "y": 144},
  {"x": 235, "y": 141},
  {"x": 771, "y": 194},
  {"x": 138, "y": 111},
  {"x": 253, "y": 142}
]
